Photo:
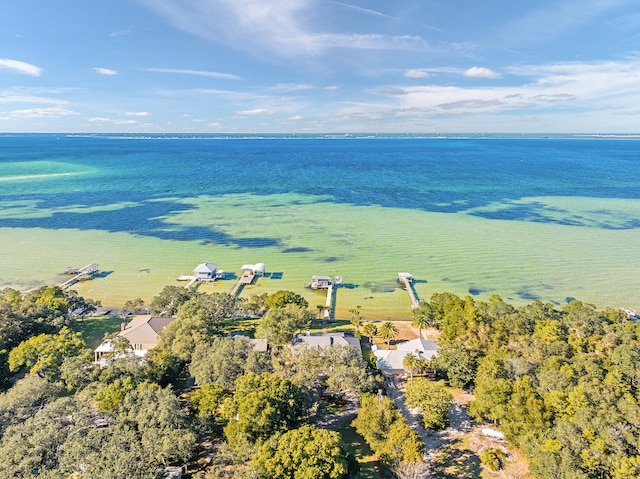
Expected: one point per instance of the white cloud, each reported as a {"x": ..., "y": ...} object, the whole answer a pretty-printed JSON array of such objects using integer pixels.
[
  {"x": 283, "y": 27},
  {"x": 255, "y": 111},
  {"x": 366, "y": 11},
  {"x": 295, "y": 118},
  {"x": 292, "y": 87},
  {"x": 416, "y": 73},
  {"x": 135, "y": 113},
  {"x": 20, "y": 67},
  {"x": 598, "y": 86},
  {"x": 20, "y": 95},
  {"x": 223, "y": 76},
  {"x": 331, "y": 88},
  {"x": 111, "y": 121},
  {"x": 104, "y": 71},
  {"x": 370, "y": 41},
  {"x": 52, "y": 112},
  {"x": 481, "y": 72}
]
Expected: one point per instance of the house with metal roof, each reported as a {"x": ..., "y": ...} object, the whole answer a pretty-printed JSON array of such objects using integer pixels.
[
  {"x": 205, "y": 271},
  {"x": 321, "y": 341},
  {"x": 389, "y": 361}
]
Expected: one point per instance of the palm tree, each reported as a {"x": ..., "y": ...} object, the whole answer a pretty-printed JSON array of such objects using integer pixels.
[
  {"x": 388, "y": 331},
  {"x": 423, "y": 317},
  {"x": 411, "y": 364},
  {"x": 356, "y": 317},
  {"x": 370, "y": 330}
]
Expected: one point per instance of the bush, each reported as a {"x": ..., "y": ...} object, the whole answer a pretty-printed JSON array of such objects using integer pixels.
[{"x": 492, "y": 458}]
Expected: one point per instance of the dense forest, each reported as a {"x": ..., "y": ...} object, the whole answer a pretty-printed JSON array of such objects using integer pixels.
[{"x": 562, "y": 383}]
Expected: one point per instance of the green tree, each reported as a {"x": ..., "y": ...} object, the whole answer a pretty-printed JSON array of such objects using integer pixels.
[
  {"x": 423, "y": 317},
  {"x": 387, "y": 433},
  {"x": 282, "y": 298},
  {"x": 370, "y": 330},
  {"x": 375, "y": 418},
  {"x": 169, "y": 300},
  {"x": 45, "y": 353},
  {"x": 458, "y": 363},
  {"x": 279, "y": 324},
  {"x": 411, "y": 363},
  {"x": 402, "y": 446},
  {"x": 208, "y": 400},
  {"x": 432, "y": 399},
  {"x": 304, "y": 453},
  {"x": 388, "y": 331},
  {"x": 26, "y": 398},
  {"x": 220, "y": 360},
  {"x": 262, "y": 406},
  {"x": 356, "y": 318},
  {"x": 133, "y": 306},
  {"x": 209, "y": 309},
  {"x": 161, "y": 423}
]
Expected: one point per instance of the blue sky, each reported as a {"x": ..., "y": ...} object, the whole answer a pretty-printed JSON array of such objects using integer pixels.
[{"x": 320, "y": 66}]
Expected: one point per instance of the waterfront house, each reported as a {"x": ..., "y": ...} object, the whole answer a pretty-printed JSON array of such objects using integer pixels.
[
  {"x": 205, "y": 271},
  {"x": 141, "y": 332},
  {"x": 389, "y": 361},
  {"x": 321, "y": 282}
]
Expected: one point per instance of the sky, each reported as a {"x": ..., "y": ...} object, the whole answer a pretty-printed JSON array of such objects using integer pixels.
[{"x": 310, "y": 66}]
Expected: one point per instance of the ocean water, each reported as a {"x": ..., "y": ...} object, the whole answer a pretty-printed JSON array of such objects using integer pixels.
[{"x": 525, "y": 218}]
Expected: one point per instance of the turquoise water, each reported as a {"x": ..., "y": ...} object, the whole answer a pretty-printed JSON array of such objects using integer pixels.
[{"x": 526, "y": 218}]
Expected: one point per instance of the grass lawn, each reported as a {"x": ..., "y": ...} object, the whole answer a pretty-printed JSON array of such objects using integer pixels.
[
  {"x": 355, "y": 444},
  {"x": 93, "y": 329}
]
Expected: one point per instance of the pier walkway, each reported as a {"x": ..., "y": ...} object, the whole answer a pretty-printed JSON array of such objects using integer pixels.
[
  {"x": 80, "y": 275},
  {"x": 407, "y": 280},
  {"x": 328, "y": 308},
  {"x": 247, "y": 278}
]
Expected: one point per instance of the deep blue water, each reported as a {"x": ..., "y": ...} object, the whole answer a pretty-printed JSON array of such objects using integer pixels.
[{"x": 437, "y": 175}]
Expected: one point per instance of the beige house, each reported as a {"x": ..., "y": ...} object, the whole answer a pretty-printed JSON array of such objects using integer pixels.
[{"x": 142, "y": 333}]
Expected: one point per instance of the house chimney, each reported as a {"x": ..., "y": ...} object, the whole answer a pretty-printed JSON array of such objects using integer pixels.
[{"x": 123, "y": 326}]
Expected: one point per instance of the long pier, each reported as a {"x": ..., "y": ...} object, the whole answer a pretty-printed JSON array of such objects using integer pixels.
[
  {"x": 328, "y": 308},
  {"x": 330, "y": 284},
  {"x": 79, "y": 275},
  {"x": 407, "y": 280}
]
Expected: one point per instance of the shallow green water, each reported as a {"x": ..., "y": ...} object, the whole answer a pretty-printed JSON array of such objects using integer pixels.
[{"x": 366, "y": 245}]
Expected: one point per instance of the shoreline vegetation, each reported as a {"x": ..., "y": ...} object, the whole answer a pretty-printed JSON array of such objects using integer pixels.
[{"x": 560, "y": 384}]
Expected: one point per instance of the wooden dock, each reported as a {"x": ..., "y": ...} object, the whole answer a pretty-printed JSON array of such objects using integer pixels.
[
  {"x": 247, "y": 278},
  {"x": 249, "y": 274},
  {"x": 407, "y": 280},
  {"x": 88, "y": 272},
  {"x": 330, "y": 284}
]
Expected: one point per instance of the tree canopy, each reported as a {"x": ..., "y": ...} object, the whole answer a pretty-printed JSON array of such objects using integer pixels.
[{"x": 304, "y": 453}]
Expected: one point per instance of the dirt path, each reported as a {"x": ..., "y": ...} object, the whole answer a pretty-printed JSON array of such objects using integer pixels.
[{"x": 434, "y": 440}]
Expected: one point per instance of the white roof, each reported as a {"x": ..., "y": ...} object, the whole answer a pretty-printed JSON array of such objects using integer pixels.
[
  {"x": 321, "y": 278},
  {"x": 390, "y": 360},
  {"x": 256, "y": 268},
  {"x": 417, "y": 344},
  {"x": 206, "y": 268}
]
